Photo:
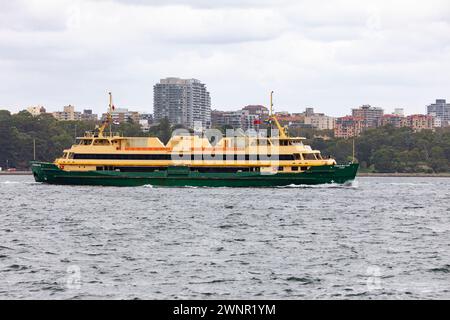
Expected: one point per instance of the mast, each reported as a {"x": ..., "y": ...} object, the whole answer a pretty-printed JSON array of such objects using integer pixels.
[
  {"x": 110, "y": 112},
  {"x": 281, "y": 130},
  {"x": 271, "y": 103},
  {"x": 108, "y": 118}
]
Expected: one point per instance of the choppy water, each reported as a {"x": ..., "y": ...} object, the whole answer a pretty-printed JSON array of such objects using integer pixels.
[{"x": 380, "y": 238}]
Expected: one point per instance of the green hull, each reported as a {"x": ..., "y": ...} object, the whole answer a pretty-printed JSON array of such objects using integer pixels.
[{"x": 181, "y": 176}]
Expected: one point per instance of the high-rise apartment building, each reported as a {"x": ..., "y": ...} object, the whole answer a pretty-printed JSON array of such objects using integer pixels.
[
  {"x": 441, "y": 111},
  {"x": 182, "y": 101}
]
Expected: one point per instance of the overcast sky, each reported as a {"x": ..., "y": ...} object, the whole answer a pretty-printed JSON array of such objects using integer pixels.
[{"x": 331, "y": 55}]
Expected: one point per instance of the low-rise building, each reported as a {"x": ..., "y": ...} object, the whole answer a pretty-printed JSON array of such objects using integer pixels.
[
  {"x": 320, "y": 121},
  {"x": 419, "y": 122},
  {"x": 257, "y": 110},
  {"x": 123, "y": 115},
  {"x": 36, "y": 110},
  {"x": 395, "y": 120},
  {"x": 145, "y": 121},
  {"x": 252, "y": 116},
  {"x": 69, "y": 114},
  {"x": 349, "y": 126},
  {"x": 291, "y": 119},
  {"x": 282, "y": 114},
  {"x": 88, "y": 115},
  {"x": 220, "y": 119},
  {"x": 437, "y": 122},
  {"x": 145, "y": 126},
  {"x": 309, "y": 112},
  {"x": 147, "y": 117},
  {"x": 399, "y": 112},
  {"x": 249, "y": 121}
]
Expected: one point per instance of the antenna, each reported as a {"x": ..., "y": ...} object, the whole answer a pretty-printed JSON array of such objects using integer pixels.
[
  {"x": 271, "y": 103},
  {"x": 110, "y": 112}
]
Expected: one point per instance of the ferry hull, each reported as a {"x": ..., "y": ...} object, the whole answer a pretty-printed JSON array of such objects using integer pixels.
[{"x": 51, "y": 174}]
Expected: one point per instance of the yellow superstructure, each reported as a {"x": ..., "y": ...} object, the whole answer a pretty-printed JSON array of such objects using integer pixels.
[{"x": 98, "y": 151}]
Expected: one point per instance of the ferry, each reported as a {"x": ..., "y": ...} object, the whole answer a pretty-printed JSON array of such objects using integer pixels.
[{"x": 103, "y": 159}]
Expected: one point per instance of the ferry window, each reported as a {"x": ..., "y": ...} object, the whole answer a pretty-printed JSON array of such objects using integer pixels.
[
  {"x": 64, "y": 155},
  {"x": 85, "y": 142},
  {"x": 309, "y": 156},
  {"x": 285, "y": 157},
  {"x": 297, "y": 156},
  {"x": 294, "y": 169},
  {"x": 101, "y": 142},
  {"x": 71, "y": 155},
  {"x": 280, "y": 168},
  {"x": 319, "y": 156},
  {"x": 304, "y": 168}
]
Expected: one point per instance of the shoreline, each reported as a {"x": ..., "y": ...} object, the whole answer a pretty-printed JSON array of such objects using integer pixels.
[
  {"x": 362, "y": 174},
  {"x": 407, "y": 175},
  {"x": 16, "y": 173}
]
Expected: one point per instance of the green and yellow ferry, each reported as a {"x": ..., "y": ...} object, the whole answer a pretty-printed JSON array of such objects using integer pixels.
[{"x": 191, "y": 160}]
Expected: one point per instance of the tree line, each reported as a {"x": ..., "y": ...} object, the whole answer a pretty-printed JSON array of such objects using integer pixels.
[
  {"x": 388, "y": 149},
  {"x": 384, "y": 149},
  {"x": 22, "y": 135}
]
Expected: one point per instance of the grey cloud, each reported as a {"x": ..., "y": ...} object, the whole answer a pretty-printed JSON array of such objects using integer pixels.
[
  {"x": 205, "y": 4},
  {"x": 331, "y": 55},
  {"x": 17, "y": 16}
]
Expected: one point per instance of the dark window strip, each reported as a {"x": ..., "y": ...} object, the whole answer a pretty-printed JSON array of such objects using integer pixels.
[{"x": 192, "y": 157}]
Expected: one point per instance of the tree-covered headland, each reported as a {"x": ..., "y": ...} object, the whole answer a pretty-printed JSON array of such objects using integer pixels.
[{"x": 388, "y": 149}]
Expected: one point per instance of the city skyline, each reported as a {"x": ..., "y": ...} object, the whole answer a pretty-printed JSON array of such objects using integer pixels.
[
  {"x": 344, "y": 113},
  {"x": 332, "y": 56}
]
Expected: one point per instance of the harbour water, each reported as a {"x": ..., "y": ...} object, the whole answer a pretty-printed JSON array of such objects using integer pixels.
[{"x": 380, "y": 238}]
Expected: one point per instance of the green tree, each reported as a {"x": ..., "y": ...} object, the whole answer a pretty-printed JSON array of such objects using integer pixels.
[{"x": 385, "y": 160}]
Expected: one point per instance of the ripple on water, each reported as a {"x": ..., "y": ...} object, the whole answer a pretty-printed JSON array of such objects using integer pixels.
[{"x": 375, "y": 238}]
